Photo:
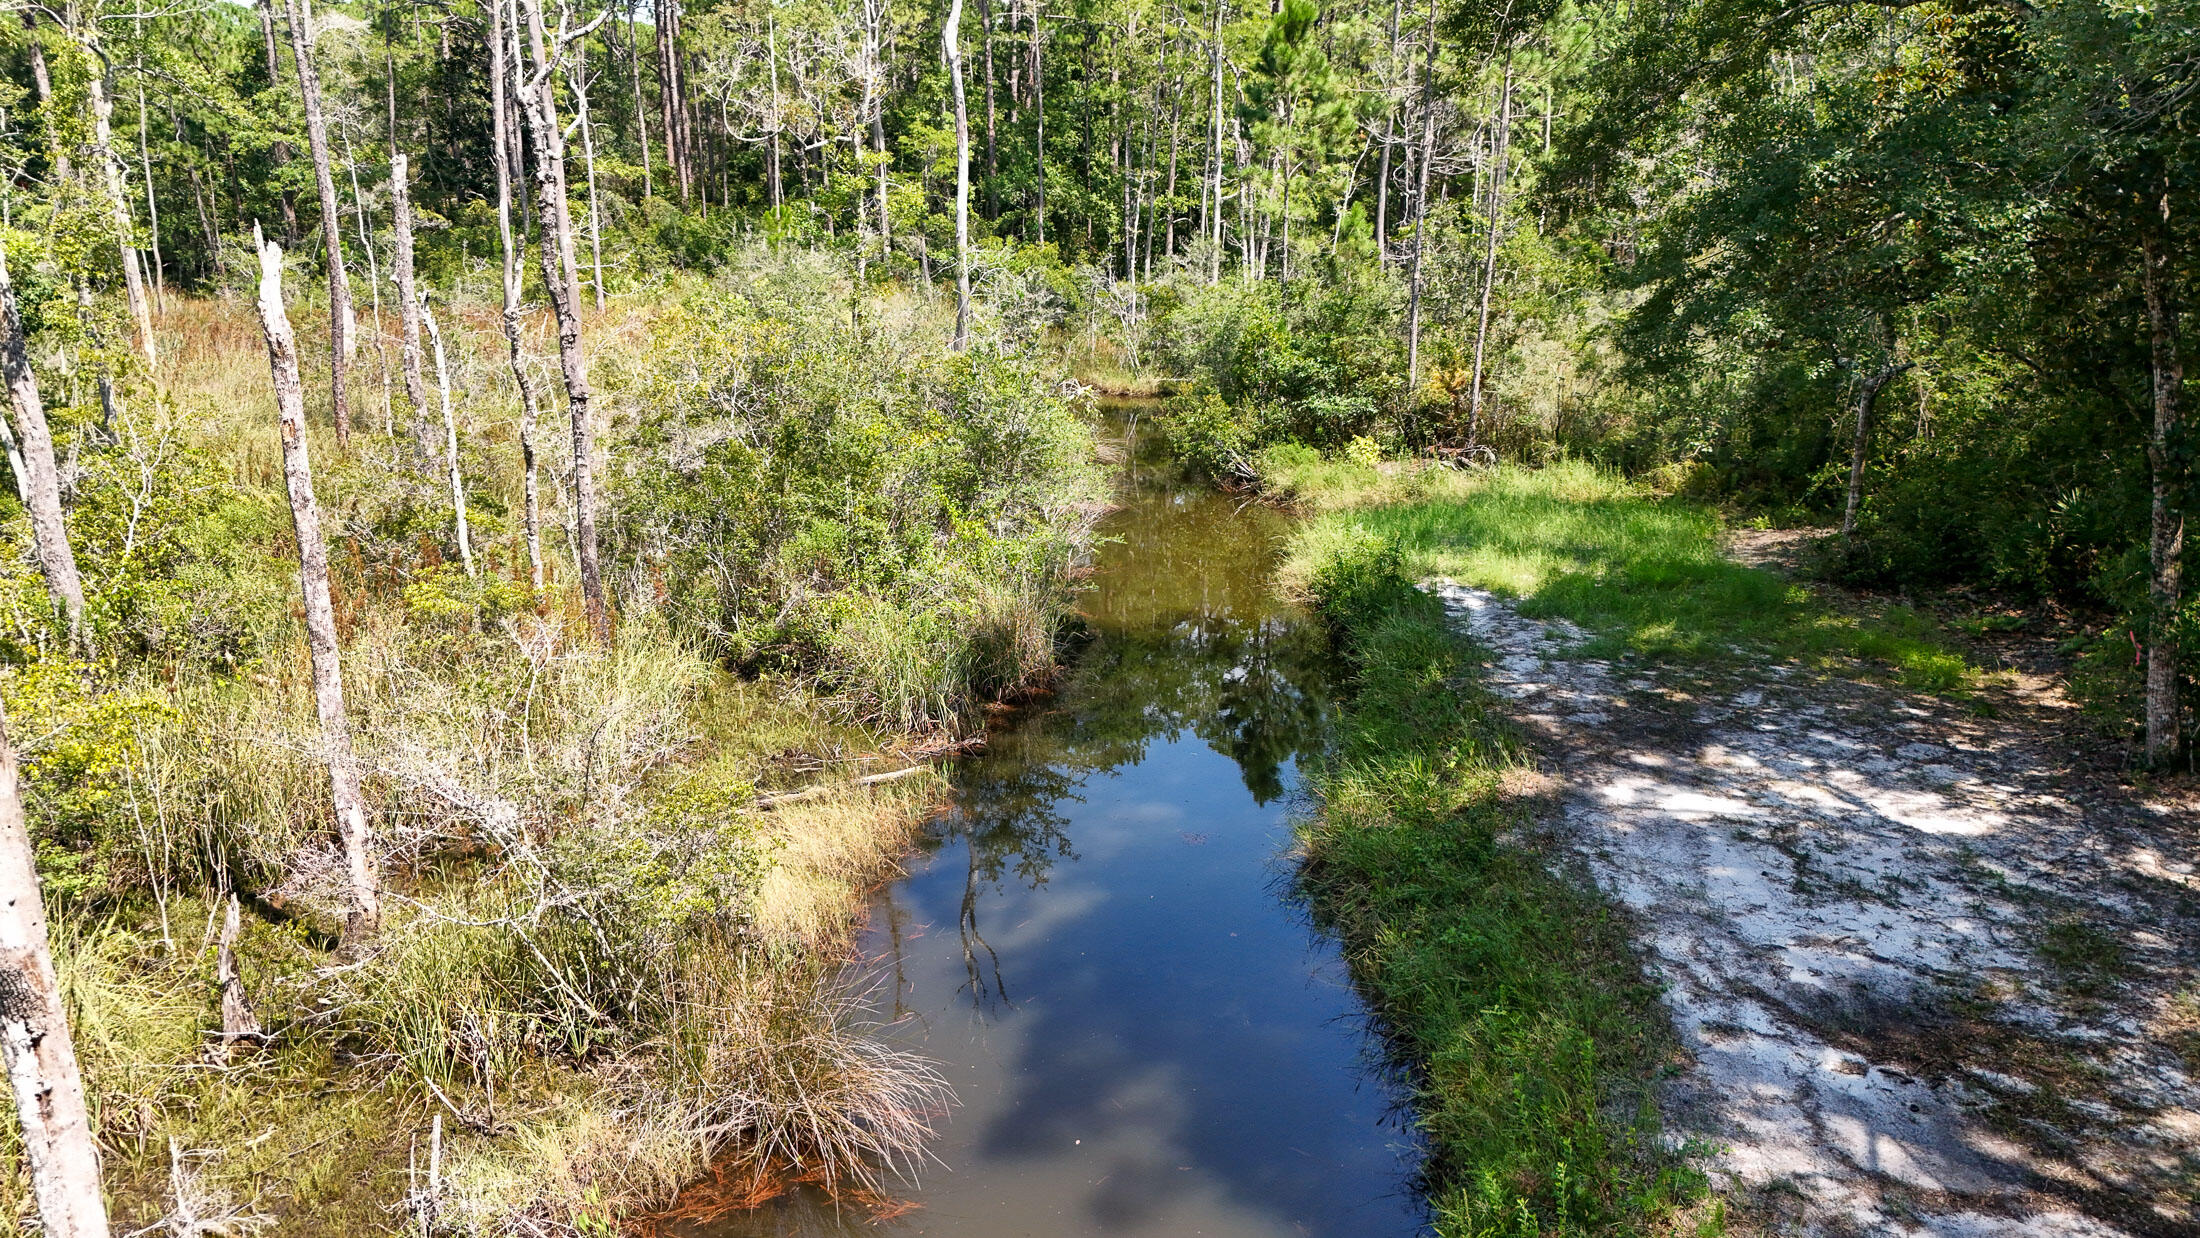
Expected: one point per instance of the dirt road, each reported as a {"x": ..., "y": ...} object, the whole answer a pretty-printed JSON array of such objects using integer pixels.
[{"x": 1929, "y": 979}]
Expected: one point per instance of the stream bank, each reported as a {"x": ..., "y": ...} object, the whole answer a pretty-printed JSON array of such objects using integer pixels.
[{"x": 1099, "y": 946}]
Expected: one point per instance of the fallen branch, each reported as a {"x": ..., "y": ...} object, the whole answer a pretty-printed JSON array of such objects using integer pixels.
[{"x": 765, "y": 803}]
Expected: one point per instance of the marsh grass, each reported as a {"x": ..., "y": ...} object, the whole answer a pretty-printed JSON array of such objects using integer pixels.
[
  {"x": 602, "y": 965},
  {"x": 1643, "y": 573},
  {"x": 1530, "y": 1032}
]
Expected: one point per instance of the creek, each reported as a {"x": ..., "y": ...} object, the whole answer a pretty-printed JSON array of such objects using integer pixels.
[{"x": 1099, "y": 943}]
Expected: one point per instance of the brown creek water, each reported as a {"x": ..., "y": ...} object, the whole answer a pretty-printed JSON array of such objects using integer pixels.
[{"x": 1100, "y": 946}]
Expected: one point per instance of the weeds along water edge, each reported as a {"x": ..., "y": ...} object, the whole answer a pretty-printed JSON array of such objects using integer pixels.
[{"x": 1509, "y": 991}]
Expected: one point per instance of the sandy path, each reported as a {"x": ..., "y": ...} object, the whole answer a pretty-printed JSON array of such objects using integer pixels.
[{"x": 1851, "y": 895}]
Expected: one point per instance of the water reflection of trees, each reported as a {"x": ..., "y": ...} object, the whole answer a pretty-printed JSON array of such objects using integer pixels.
[
  {"x": 1188, "y": 639},
  {"x": 1253, "y": 690}
]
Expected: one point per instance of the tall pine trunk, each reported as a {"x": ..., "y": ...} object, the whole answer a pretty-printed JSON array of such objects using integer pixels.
[
  {"x": 2166, "y": 526},
  {"x": 300, "y": 16},
  {"x": 365, "y": 916},
  {"x": 41, "y": 482},
  {"x": 641, "y": 111},
  {"x": 54, "y": 1121}
]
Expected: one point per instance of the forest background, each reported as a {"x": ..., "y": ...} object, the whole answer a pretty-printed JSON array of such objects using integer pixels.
[{"x": 799, "y": 285}]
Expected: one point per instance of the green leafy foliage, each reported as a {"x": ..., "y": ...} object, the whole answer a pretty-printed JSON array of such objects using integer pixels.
[{"x": 877, "y": 509}]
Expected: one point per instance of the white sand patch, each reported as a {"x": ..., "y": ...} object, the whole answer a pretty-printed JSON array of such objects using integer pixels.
[{"x": 1842, "y": 889}]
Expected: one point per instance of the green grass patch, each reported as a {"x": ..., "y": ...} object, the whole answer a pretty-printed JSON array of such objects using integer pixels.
[
  {"x": 1642, "y": 573},
  {"x": 1533, "y": 1036}
]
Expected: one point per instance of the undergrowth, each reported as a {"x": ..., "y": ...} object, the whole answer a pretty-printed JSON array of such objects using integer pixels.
[
  {"x": 1642, "y": 573},
  {"x": 1531, "y": 1033}
]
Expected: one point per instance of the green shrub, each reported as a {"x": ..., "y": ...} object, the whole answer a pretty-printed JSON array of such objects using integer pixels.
[{"x": 1206, "y": 435}]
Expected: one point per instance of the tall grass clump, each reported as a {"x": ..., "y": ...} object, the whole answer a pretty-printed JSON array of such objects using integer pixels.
[
  {"x": 1643, "y": 573},
  {"x": 1510, "y": 992}
]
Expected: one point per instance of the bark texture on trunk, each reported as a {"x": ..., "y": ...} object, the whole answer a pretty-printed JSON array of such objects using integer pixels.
[
  {"x": 56, "y": 1125},
  {"x": 951, "y": 45},
  {"x": 500, "y": 106},
  {"x": 364, "y": 917},
  {"x": 1860, "y": 451},
  {"x": 239, "y": 1023},
  {"x": 41, "y": 477},
  {"x": 408, "y": 297},
  {"x": 562, "y": 279},
  {"x": 2166, "y": 531},
  {"x": 300, "y": 15}
]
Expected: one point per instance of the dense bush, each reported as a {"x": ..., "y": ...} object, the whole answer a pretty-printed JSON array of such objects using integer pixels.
[{"x": 865, "y": 504}]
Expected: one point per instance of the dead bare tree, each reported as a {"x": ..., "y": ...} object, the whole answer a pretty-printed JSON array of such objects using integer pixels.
[
  {"x": 56, "y": 1126},
  {"x": 561, "y": 277},
  {"x": 86, "y": 34},
  {"x": 41, "y": 478},
  {"x": 408, "y": 297},
  {"x": 450, "y": 442},
  {"x": 501, "y": 118},
  {"x": 300, "y": 15},
  {"x": 364, "y": 918},
  {"x": 951, "y": 46}
]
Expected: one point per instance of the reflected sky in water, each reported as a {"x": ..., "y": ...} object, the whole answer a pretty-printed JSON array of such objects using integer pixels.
[{"x": 1099, "y": 947}]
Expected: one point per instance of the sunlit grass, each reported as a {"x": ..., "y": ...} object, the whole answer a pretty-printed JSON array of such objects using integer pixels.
[
  {"x": 1640, "y": 572},
  {"x": 1535, "y": 1037}
]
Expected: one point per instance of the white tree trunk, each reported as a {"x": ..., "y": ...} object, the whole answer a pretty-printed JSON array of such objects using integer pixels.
[
  {"x": 118, "y": 198},
  {"x": 500, "y": 107},
  {"x": 39, "y": 477},
  {"x": 58, "y": 1146},
  {"x": 300, "y": 15},
  {"x": 408, "y": 297},
  {"x": 450, "y": 444},
  {"x": 951, "y": 44},
  {"x": 365, "y": 915}
]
